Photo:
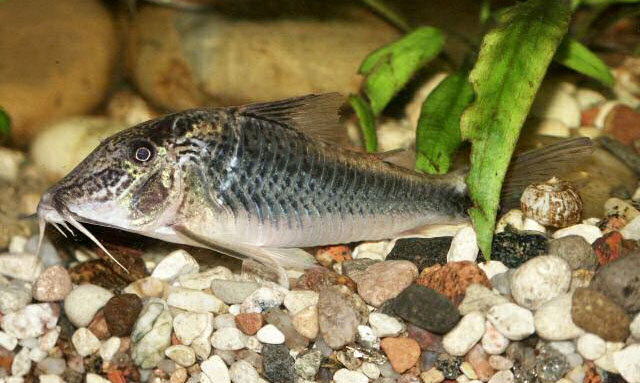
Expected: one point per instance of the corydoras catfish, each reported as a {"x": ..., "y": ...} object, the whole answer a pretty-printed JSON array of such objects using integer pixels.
[{"x": 258, "y": 181}]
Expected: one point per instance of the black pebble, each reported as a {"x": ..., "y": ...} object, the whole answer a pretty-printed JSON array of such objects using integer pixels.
[
  {"x": 514, "y": 247},
  {"x": 423, "y": 252},
  {"x": 426, "y": 308},
  {"x": 278, "y": 365}
]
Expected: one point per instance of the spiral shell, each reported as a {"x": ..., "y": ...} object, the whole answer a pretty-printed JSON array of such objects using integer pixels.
[{"x": 552, "y": 203}]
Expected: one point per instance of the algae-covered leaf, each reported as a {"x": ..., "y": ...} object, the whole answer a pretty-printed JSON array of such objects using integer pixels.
[
  {"x": 389, "y": 68},
  {"x": 366, "y": 121},
  {"x": 438, "y": 135},
  {"x": 576, "y": 56},
  {"x": 512, "y": 61},
  {"x": 5, "y": 122}
]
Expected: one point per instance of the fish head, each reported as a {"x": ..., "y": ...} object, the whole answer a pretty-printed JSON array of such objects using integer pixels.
[{"x": 131, "y": 181}]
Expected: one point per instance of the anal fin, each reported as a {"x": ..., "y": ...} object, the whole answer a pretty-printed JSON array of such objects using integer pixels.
[{"x": 274, "y": 258}]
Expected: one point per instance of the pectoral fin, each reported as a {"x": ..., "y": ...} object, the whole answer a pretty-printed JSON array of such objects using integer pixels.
[{"x": 274, "y": 258}]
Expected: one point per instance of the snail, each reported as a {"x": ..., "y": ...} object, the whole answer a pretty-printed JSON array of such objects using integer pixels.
[{"x": 552, "y": 203}]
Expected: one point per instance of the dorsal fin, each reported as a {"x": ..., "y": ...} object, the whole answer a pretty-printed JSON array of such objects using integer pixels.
[{"x": 315, "y": 115}]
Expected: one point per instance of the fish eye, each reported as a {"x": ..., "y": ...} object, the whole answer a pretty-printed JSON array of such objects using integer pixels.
[{"x": 142, "y": 151}]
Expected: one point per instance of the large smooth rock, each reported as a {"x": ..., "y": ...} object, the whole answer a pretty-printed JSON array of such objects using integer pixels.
[
  {"x": 58, "y": 66},
  {"x": 620, "y": 281},
  {"x": 184, "y": 59}
]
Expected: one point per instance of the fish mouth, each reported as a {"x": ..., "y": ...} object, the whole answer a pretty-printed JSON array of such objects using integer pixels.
[{"x": 52, "y": 209}]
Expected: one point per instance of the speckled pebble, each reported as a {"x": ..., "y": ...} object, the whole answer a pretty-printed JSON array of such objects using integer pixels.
[
  {"x": 308, "y": 363},
  {"x": 85, "y": 342},
  {"x": 277, "y": 364},
  {"x": 539, "y": 280},
  {"x": 228, "y": 339},
  {"x": 493, "y": 342},
  {"x": 339, "y": 315},
  {"x": 513, "y": 321},
  {"x": 31, "y": 321},
  {"x": 54, "y": 284},
  {"x": 262, "y": 299},
  {"x": 14, "y": 296},
  {"x": 596, "y": 313}
]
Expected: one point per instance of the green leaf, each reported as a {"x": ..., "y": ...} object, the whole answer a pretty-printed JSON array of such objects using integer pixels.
[
  {"x": 607, "y": 2},
  {"x": 485, "y": 11},
  {"x": 366, "y": 121},
  {"x": 438, "y": 134},
  {"x": 576, "y": 56},
  {"x": 389, "y": 68},
  {"x": 511, "y": 65},
  {"x": 5, "y": 122}
]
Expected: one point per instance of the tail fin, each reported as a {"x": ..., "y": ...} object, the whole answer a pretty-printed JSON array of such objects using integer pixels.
[{"x": 538, "y": 165}]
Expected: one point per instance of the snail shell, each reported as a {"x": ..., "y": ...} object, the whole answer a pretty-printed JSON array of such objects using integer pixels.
[{"x": 552, "y": 203}]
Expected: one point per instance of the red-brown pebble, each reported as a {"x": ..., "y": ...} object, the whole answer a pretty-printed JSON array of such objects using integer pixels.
[
  {"x": 329, "y": 255},
  {"x": 479, "y": 360},
  {"x": 612, "y": 246},
  {"x": 317, "y": 278},
  {"x": 427, "y": 340},
  {"x": 452, "y": 279},
  {"x": 403, "y": 353},
  {"x": 623, "y": 123},
  {"x": 122, "y": 312},
  {"x": 98, "y": 326},
  {"x": 249, "y": 323}
]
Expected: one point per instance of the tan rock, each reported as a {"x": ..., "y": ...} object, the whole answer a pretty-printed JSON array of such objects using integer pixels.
[
  {"x": 403, "y": 353},
  {"x": 62, "y": 54}
]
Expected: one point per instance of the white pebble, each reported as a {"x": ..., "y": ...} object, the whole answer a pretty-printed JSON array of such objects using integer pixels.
[
  {"x": 513, "y": 321},
  {"x": 297, "y": 300},
  {"x": 202, "y": 280},
  {"x": 635, "y": 327},
  {"x": 194, "y": 300},
  {"x": 50, "y": 378},
  {"x": 14, "y": 297},
  {"x": 261, "y": 300},
  {"x": 270, "y": 334},
  {"x": 243, "y": 372},
  {"x": 214, "y": 370},
  {"x": 370, "y": 370},
  {"x": 109, "y": 348},
  {"x": 17, "y": 244},
  {"x": 189, "y": 325},
  {"x": 499, "y": 362},
  {"x": 224, "y": 320},
  {"x": 606, "y": 361},
  {"x": 632, "y": 229},
  {"x": 518, "y": 221},
  {"x": 30, "y": 322},
  {"x": 175, "y": 264},
  {"x": 347, "y": 376},
  {"x": 83, "y": 302},
  {"x": 228, "y": 339},
  {"x": 589, "y": 232},
  {"x": 371, "y": 250},
  {"x": 493, "y": 342},
  {"x": 95, "y": 378},
  {"x": 21, "y": 363},
  {"x": 49, "y": 339},
  {"x": 504, "y": 376},
  {"x": 464, "y": 246},
  {"x": 384, "y": 325},
  {"x": 85, "y": 342},
  {"x": 539, "y": 280},
  {"x": 8, "y": 341},
  {"x": 465, "y": 335},
  {"x": 37, "y": 355},
  {"x": 492, "y": 268},
  {"x": 233, "y": 292},
  {"x": 480, "y": 298},
  {"x": 181, "y": 354},
  {"x": 553, "y": 319},
  {"x": 22, "y": 266},
  {"x": 591, "y": 346},
  {"x": 627, "y": 361}
]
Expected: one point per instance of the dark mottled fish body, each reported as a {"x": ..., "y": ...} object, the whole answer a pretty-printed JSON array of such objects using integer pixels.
[{"x": 255, "y": 181}]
